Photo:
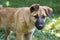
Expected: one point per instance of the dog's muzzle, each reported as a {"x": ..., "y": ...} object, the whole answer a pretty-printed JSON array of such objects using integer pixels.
[{"x": 39, "y": 24}]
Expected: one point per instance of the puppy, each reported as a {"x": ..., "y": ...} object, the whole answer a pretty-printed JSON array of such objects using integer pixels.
[{"x": 23, "y": 20}]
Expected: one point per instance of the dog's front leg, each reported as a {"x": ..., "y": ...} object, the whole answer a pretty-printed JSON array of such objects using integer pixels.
[
  {"x": 7, "y": 34},
  {"x": 19, "y": 36},
  {"x": 28, "y": 36}
]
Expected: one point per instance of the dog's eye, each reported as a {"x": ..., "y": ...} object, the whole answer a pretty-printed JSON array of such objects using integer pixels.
[
  {"x": 43, "y": 16},
  {"x": 36, "y": 16}
]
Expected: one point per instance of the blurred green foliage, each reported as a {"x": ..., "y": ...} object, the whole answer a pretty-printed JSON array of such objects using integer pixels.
[{"x": 52, "y": 29}]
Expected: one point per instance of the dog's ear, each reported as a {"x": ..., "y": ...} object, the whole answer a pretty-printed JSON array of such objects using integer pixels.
[
  {"x": 48, "y": 11},
  {"x": 34, "y": 7}
]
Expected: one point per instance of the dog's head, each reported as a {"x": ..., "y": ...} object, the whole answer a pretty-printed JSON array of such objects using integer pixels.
[{"x": 40, "y": 16}]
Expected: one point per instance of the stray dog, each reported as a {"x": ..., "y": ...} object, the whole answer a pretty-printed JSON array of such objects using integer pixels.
[{"x": 22, "y": 20}]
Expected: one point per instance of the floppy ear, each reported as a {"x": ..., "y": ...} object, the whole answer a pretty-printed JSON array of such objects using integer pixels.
[
  {"x": 34, "y": 7},
  {"x": 48, "y": 11}
]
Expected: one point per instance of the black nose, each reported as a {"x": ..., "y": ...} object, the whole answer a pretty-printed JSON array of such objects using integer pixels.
[{"x": 39, "y": 27}]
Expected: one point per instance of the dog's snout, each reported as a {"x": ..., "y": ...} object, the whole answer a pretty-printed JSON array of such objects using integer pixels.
[
  {"x": 39, "y": 24},
  {"x": 39, "y": 27}
]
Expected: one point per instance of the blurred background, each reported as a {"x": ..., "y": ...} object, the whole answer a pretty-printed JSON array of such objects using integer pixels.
[{"x": 52, "y": 29}]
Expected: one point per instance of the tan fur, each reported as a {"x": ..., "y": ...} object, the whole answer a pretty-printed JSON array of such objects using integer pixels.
[
  {"x": 20, "y": 20},
  {"x": 45, "y": 10}
]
